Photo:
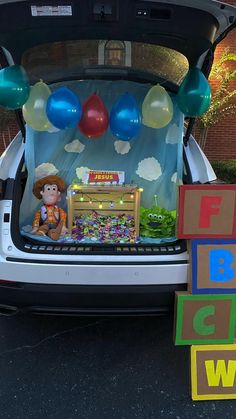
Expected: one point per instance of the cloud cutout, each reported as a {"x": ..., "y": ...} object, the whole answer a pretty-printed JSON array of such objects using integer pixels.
[
  {"x": 149, "y": 169},
  {"x": 174, "y": 177},
  {"x": 81, "y": 171},
  {"x": 172, "y": 135},
  {"x": 45, "y": 169},
  {"x": 122, "y": 147},
  {"x": 74, "y": 147},
  {"x": 53, "y": 129}
]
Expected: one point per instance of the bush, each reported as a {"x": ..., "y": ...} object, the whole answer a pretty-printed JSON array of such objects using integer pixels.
[{"x": 225, "y": 170}]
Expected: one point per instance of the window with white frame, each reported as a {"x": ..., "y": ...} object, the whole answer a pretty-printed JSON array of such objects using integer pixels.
[{"x": 114, "y": 53}]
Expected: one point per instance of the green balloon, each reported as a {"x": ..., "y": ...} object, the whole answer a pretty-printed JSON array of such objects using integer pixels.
[
  {"x": 194, "y": 95},
  {"x": 34, "y": 110},
  {"x": 14, "y": 87}
]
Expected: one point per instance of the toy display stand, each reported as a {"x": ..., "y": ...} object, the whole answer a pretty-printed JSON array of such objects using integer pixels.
[{"x": 105, "y": 200}]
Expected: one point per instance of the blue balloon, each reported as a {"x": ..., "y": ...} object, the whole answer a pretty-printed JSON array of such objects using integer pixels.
[
  {"x": 63, "y": 108},
  {"x": 194, "y": 95},
  {"x": 125, "y": 118}
]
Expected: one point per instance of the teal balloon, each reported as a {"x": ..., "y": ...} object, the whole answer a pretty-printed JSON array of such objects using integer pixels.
[
  {"x": 194, "y": 95},
  {"x": 14, "y": 87}
]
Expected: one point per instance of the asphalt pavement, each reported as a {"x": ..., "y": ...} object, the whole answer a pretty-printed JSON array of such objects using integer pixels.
[{"x": 97, "y": 368}]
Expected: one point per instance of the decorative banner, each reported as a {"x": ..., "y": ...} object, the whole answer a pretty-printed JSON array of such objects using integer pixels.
[
  {"x": 213, "y": 369},
  {"x": 157, "y": 108},
  {"x": 14, "y": 87},
  {"x": 125, "y": 118},
  {"x": 199, "y": 318},
  {"x": 213, "y": 266},
  {"x": 207, "y": 211},
  {"x": 194, "y": 94},
  {"x": 63, "y": 108},
  {"x": 34, "y": 110},
  {"x": 95, "y": 118}
]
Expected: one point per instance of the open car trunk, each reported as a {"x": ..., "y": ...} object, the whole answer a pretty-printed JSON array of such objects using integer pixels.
[
  {"x": 120, "y": 195},
  {"x": 118, "y": 192}
]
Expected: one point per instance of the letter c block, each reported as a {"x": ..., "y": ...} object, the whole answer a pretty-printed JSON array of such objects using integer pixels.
[{"x": 199, "y": 320}]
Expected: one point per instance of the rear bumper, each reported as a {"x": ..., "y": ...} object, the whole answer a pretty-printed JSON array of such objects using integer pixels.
[{"x": 86, "y": 300}]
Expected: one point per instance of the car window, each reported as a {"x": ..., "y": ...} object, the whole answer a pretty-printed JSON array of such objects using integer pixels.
[{"x": 62, "y": 59}]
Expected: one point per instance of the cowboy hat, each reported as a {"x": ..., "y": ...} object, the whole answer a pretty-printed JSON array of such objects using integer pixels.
[{"x": 50, "y": 180}]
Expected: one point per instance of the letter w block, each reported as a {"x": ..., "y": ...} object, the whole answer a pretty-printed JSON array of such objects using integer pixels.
[{"x": 213, "y": 372}]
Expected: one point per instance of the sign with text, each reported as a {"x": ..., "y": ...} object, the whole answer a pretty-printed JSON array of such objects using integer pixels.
[
  {"x": 213, "y": 266},
  {"x": 93, "y": 177},
  {"x": 213, "y": 372},
  {"x": 199, "y": 320},
  {"x": 207, "y": 211}
]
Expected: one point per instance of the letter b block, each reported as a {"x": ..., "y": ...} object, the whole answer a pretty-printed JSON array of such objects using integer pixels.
[
  {"x": 204, "y": 319},
  {"x": 213, "y": 266}
]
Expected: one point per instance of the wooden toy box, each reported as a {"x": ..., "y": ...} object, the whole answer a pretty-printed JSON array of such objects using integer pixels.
[{"x": 107, "y": 199}]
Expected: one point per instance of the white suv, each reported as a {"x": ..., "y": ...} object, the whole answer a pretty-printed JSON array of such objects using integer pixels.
[{"x": 109, "y": 47}]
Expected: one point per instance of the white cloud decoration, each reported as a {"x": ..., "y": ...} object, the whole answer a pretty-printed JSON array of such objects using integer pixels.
[
  {"x": 122, "y": 147},
  {"x": 45, "y": 169},
  {"x": 174, "y": 177},
  {"x": 74, "y": 147},
  {"x": 81, "y": 172},
  {"x": 149, "y": 169},
  {"x": 172, "y": 134},
  {"x": 53, "y": 129}
]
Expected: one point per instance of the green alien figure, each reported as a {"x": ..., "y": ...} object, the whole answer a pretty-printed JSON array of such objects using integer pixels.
[{"x": 157, "y": 222}]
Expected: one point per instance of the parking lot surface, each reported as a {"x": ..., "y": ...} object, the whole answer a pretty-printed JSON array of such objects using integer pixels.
[{"x": 97, "y": 368}]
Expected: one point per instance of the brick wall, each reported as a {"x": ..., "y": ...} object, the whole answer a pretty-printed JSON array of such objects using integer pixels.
[
  {"x": 221, "y": 139},
  {"x": 7, "y": 135}
]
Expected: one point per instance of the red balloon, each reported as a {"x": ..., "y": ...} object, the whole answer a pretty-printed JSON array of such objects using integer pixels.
[{"x": 95, "y": 118}]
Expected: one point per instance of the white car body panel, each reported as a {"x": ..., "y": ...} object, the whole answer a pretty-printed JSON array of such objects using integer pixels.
[
  {"x": 36, "y": 273},
  {"x": 200, "y": 167},
  {"x": 87, "y": 270}
]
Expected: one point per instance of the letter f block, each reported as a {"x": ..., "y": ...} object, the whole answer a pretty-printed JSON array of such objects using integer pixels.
[{"x": 207, "y": 211}]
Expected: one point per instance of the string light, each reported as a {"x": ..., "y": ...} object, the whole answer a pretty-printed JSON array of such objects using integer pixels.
[
  {"x": 155, "y": 198},
  {"x": 87, "y": 199}
]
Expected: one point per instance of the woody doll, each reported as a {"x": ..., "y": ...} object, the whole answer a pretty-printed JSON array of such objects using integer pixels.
[{"x": 49, "y": 220}]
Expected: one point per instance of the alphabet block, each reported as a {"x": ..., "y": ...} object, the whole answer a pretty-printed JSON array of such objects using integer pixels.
[
  {"x": 199, "y": 319},
  {"x": 213, "y": 266},
  {"x": 207, "y": 211},
  {"x": 213, "y": 369}
]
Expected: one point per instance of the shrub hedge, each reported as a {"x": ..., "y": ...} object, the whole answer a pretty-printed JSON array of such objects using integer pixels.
[{"x": 225, "y": 170}]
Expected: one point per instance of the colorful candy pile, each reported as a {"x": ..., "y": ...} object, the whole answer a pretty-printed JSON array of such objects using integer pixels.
[{"x": 104, "y": 228}]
